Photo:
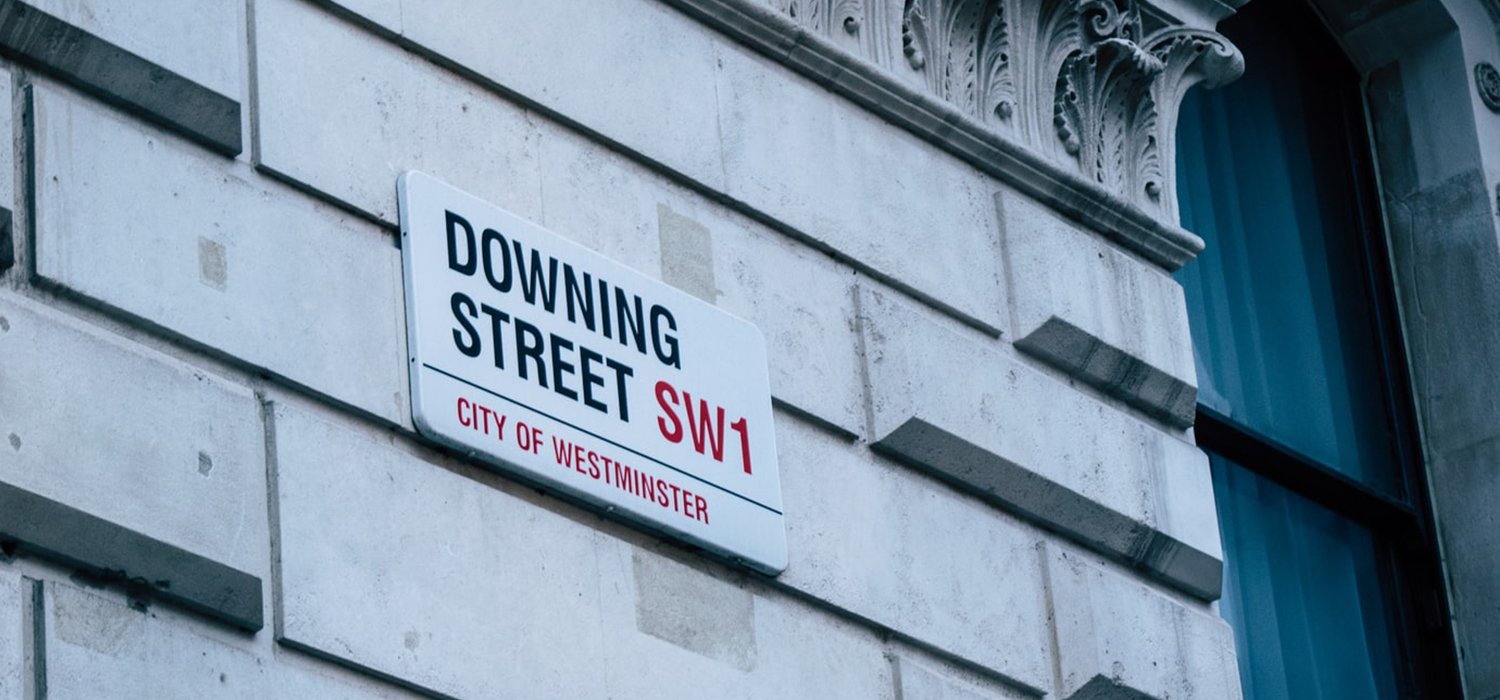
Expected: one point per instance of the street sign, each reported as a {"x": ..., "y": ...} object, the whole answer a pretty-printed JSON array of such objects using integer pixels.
[{"x": 549, "y": 360}]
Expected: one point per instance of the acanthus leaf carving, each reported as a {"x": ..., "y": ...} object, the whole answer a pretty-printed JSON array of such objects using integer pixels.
[
  {"x": 1189, "y": 57},
  {"x": 812, "y": 14},
  {"x": 994, "y": 48},
  {"x": 849, "y": 14},
  {"x": 1077, "y": 80},
  {"x": 914, "y": 31},
  {"x": 1104, "y": 111},
  {"x": 961, "y": 49}
]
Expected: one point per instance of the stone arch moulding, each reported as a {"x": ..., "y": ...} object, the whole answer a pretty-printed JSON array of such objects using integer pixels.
[{"x": 1086, "y": 84}]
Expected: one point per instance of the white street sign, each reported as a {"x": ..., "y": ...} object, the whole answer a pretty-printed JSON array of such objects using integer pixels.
[{"x": 549, "y": 360}]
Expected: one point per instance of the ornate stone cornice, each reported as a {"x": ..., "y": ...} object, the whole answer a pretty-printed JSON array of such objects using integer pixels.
[{"x": 1071, "y": 101}]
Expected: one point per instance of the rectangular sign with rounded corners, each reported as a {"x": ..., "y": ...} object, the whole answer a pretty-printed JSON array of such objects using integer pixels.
[{"x": 548, "y": 360}]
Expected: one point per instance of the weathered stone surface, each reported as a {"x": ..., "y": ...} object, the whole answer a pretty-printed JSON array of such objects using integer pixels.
[
  {"x": 1117, "y": 638},
  {"x": 797, "y": 651},
  {"x": 177, "y": 61},
  {"x": 1444, "y": 243},
  {"x": 608, "y": 203},
  {"x": 862, "y": 187},
  {"x": 1468, "y": 490},
  {"x": 205, "y": 249},
  {"x": 144, "y": 566},
  {"x": 966, "y": 410},
  {"x": 98, "y": 647},
  {"x": 644, "y": 77},
  {"x": 1085, "y": 306},
  {"x": 1444, "y": 250},
  {"x": 917, "y": 682},
  {"x": 694, "y": 612},
  {"x": 528, "y": 603},
  {"x": 131, "y": 436},
  {"x": 889, "y": 545},
  {"x": 350, "y": 504},
  {"x": 657, "y": 83},
  {"x": 201, "y": 40},
  {"x": 14, "y": 593},
  {"x": 959, "y": 91},
  {"x": 804, "y": 304},
  {"x": 8, "y": 134},
  {"x": 687, "y": 254},
  {"x": 395, "y": 112},
  {"x": 799, "y": 298}
]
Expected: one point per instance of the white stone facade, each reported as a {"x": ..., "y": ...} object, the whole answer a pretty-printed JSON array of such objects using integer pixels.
[{"x": 957, "y": 242}]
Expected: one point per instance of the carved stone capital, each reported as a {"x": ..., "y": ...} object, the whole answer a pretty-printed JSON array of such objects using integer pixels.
[{"x": 1080, "y": 82}]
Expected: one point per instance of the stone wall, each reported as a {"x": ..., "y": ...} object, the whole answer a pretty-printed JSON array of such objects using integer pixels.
[{"x": 980, "y": 365}]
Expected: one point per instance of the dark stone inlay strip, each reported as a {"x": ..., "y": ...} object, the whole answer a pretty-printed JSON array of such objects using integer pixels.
[
  {"x": 119, "y": 76},
  {"x": 1112, "y": 371},
  {"x": 1036, "y": 498},
  {"x": 144, "y": 566},
  {"x": 7, "y": 241}
]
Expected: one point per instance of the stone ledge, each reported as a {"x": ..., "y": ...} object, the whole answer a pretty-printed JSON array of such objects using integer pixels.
[
  {"x": 120, "y": 77},
  {"x": 971, "y": 414},
  {"x": 143, "y": 565},
  {"x": 1099, "y": 314},
  {"x": 1113, "y": 371}
]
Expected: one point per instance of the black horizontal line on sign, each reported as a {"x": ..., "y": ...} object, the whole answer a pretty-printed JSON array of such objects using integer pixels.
[{"x": 597, "y": 436}]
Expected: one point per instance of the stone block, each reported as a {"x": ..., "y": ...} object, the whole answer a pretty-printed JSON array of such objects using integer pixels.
[
  {"x": 698, "y": 613},
  {"x": 917, "y": 682},
  {"x": 484, "y": 591},
  {"x": 668, "y": 88},
  {"x": 1466, "y": 492},
  {"x": 798, "y": 297},
  {"x": 1083, "y": 305},
  {"x": 144, "y": 566},
  {"x": 131, "y": 436},
  {"x": 962, "y": 407},
  {"x": 462, "y": 600},
  {"x": 206, "y": 249},
  {"x": 1117, "y": 638},
  {"x": 201, "y": 40},
  {"x": 888, "y": 545},
  {"x": 395, "y": 112},
  {"x": 1443, "y": 242},
  {"x": 798, "y": 652},
  {"x": 98, "y": 646},
  {"x": 601, "y": 199},
  {"x": 871, "y": 191},
  {"x": 643, "y": 78},
  {"x": 15, "y": 595},
  {"x": 177, "y": 61},
  {"x": 803, "y": 302},
  {"x": 687, "y": 253}
]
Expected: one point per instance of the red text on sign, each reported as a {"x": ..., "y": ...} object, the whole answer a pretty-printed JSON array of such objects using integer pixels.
[
  {"x": 480, "y": 418},
  {"x": 705, "y": 424}
]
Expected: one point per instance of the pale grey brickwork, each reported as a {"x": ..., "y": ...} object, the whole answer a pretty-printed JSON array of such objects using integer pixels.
[{"x": 980, "y": 364}]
